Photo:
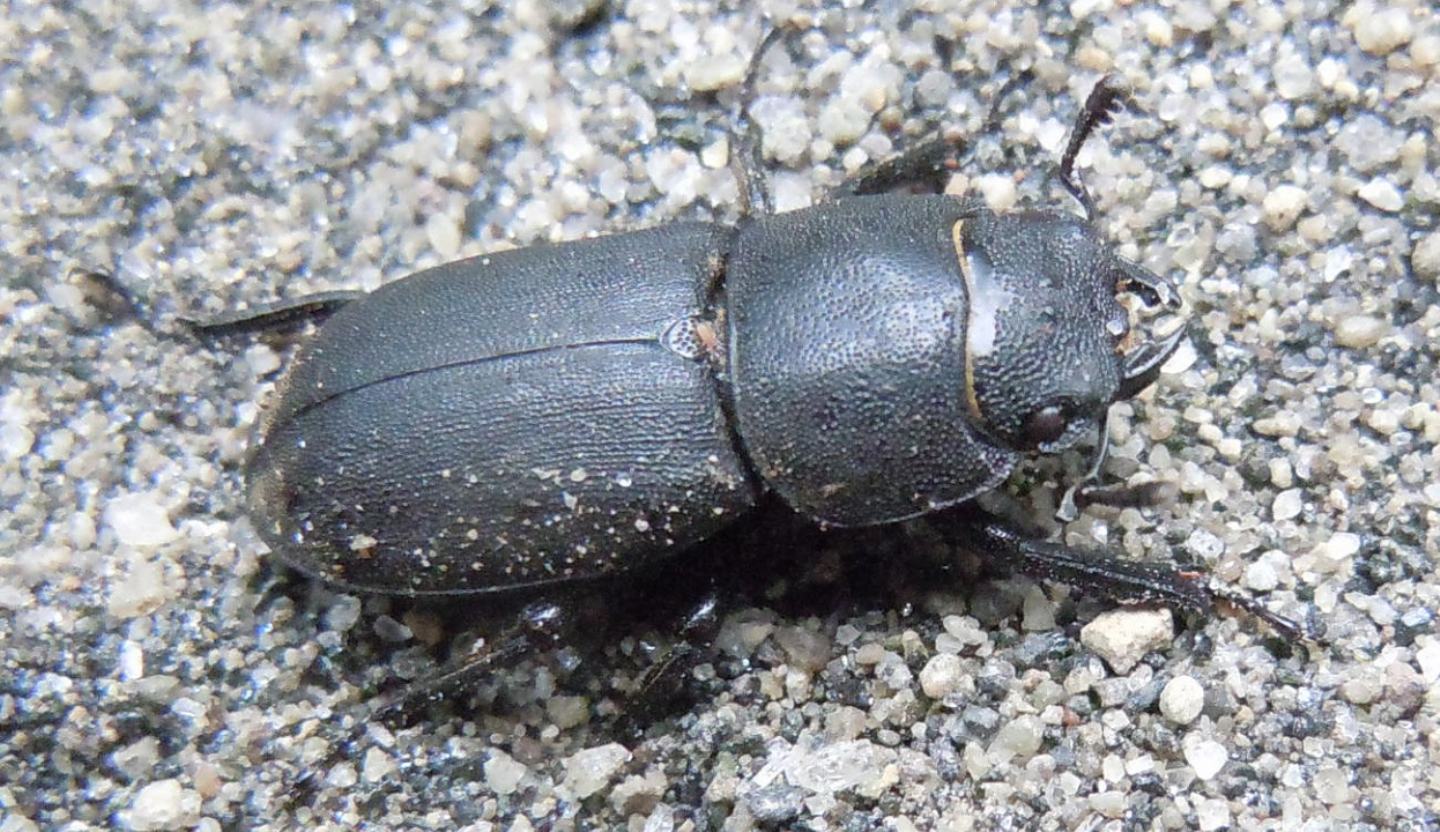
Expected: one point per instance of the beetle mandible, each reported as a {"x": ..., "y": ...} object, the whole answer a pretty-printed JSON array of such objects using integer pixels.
[{"x": 566, "y": 412}]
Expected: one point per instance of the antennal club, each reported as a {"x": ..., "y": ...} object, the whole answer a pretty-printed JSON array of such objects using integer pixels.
[{"x": 1104, "y": 103}]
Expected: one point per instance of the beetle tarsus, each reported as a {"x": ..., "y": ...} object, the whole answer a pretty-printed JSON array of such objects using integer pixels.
[
  {"x": 925, "y": 167},
  {"x": 997, "y": 104},
  {"x": 539, "y": 625}
]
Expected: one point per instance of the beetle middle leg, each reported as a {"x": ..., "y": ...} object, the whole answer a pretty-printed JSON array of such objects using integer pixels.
[
  {"x": 745, "y": 159},
  {"x": 546, "y": 625},
  {"x": 665, "y": 679},
  {"x": 1104, "y": 574},
  {"x": 538, "y": 626},
  {"x": 924, "y": 167}
]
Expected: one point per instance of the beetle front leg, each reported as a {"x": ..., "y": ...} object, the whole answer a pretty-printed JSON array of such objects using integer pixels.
[
  {"x": 925, "y": 167},
  {"x": 1100, "y": 573}
]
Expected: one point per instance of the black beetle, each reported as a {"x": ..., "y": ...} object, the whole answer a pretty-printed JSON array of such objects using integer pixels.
[{"x": 566, "y": 412}]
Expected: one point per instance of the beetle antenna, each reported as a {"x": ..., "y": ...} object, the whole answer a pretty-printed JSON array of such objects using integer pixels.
[{"x": 1106, "y": 100}]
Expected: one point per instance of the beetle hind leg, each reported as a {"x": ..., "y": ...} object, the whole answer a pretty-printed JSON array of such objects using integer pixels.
[
  {"x": 539, "y": 626},
  {"x": 273, "y": 317}
]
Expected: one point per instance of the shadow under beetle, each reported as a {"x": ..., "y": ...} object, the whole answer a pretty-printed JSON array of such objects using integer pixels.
[{"x": 570, "y": 411}]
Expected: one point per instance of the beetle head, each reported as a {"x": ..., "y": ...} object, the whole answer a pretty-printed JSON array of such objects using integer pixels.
[{"x": 1048, "y": 346}]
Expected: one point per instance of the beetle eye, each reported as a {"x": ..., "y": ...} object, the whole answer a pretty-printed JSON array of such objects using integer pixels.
[{"x": 1045, "y": 425}]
